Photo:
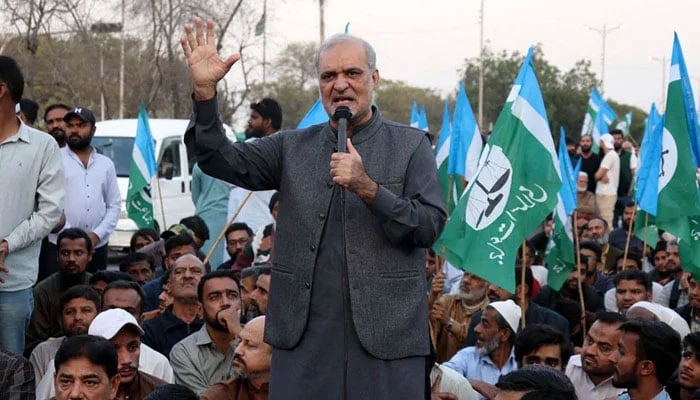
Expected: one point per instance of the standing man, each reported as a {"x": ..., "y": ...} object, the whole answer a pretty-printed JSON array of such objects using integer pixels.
[
  {"x": 93, "y": 202},
  {"x": 647, "y": 355},
  {"x": 608, "y": 177},
  {"x": 54, "y": 123},
  {"x": 210, "y": 198},
  {"x": 627, "y": 168},
  {"x": 590, "y": 161},
  {"x": 342, "y": 216},
  {"x": 32, "y": 196},
  {"x": 265, "y": 119}
]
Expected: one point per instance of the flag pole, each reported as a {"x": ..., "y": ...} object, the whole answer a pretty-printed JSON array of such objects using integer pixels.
[
  {"x": 578, "y": 269},
  {"x": 646, "y": 226},
  {"x": 627, "y": 242},
  {"x": 523, "y": 292},
  {"x": 160, "y": 198},
  {"x": 223, "y": 231},
  {"x": 450, "y": 188}
]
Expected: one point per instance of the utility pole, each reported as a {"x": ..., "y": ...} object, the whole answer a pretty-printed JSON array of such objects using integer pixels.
[
  {"x": 481, "y": 67},
  {"x": 322, "y": 24},
  {"x": 664, "y": 63},
  {"x": 604, "y": 33},
  {"x": 121, "y": 68}
]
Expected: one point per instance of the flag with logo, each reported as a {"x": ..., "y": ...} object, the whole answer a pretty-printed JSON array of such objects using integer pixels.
[
  {"x": 596, "y": 104},
  {"x": 514, "y": 188},
  {"x": 316, "y": 115},
  {"x": 678, "y": 209},
  {"x": 139, "y": 203},
  {"x": 560, "y": 247},
  {"x": 600, "y": 127},
  {"x": 625, "y": 124}
]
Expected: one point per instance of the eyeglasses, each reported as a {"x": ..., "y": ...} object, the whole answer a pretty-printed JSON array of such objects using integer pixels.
[{"x": 240, "y": 242}]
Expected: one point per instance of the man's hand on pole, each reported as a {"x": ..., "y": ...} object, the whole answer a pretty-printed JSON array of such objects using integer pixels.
[{"x": 206, "y": 67}]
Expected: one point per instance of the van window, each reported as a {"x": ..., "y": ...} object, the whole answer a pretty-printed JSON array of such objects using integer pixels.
[
  {"x": 169, "y": 162},
  {"x": 118, "y": 149}
]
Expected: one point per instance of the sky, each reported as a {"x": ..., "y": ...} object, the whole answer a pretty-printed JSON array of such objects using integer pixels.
[{"x": 425, "y": 43}]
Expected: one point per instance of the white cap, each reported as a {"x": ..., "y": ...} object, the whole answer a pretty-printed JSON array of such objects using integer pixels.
[
  {"x": 608, "y": 140},
  {"x": 108, "y": 323},
  {"x": 510, "y": 311},
  {"x": 665, "y": 314}
]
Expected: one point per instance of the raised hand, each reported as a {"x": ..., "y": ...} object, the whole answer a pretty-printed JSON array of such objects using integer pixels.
[{"x": 206, "y": 67}]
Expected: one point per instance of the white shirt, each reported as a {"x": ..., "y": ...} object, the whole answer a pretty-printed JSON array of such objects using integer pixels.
[
  {"x": 585, "y": 388},
  {"x": 611, "y": 162},
  {"x": 150, "y": 362},
  {"x": 93, "y": 201}
]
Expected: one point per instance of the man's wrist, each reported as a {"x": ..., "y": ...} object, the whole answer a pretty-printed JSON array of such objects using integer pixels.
[{"x": 204, "y": 93}]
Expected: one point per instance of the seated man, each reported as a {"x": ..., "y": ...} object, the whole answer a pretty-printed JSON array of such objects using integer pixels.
[
  {"x": 251, "y": 366},
  {"x": 87, "y": 367},
  {"x": 205, "y": 357},
  {"x": 647, "y": 355},
  {"x": 74, "y": 255},
  {"x": 542, "y": 344},
  {"x": 100, "y": 279},
  {"x": 16, "y": 377},
  {"x": 79, "y": 305},
  {"x": 129, "y": 296},
  {"x": 140, "y": 267},
  {"x": 176, "y": 246},
  {"x": 591, "y": 372},
  {"x": 258, "y": 299},
  {"x": 493, "y": 354},
  {"x": 451, "y": 314},
  {"x": 120, "y": 328},
  {"x": 535, "y": 382},
  {"x": 249, "y": 277},
  {"x": 181, "y": 319},
  {"x": 631, "y": 286},
  {"x": 238, "y": 235}
]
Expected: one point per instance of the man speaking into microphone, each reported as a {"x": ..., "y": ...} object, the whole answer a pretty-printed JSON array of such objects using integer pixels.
[{"x": 347, "y": 315}]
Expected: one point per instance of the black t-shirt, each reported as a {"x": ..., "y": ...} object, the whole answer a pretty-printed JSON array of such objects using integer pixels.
[{"x": 590, "y": 165}]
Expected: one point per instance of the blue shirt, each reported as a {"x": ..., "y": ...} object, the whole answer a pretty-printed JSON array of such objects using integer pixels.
[{"x": 473, "y": 365}]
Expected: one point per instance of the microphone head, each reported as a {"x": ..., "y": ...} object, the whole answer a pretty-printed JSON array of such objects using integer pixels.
[{"x": 342, "y": 112}]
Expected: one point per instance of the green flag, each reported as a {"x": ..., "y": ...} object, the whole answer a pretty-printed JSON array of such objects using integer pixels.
[
  {"x": 560, "y": 249},
  {"x": 624, "y": 124},
  {"x": 514, "y": 188},
  {"x": 678, "y": 203},
  {"x": 139, "y": 204}
]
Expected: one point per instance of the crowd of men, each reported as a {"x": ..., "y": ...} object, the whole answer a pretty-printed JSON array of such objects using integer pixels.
[{"x": 169, "y": 324}]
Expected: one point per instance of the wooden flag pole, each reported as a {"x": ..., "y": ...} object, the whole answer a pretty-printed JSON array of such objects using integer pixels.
[
  {"x": 523, "y": 292},
  {"x": 162, "y": 208},
  {"x": 223, "y": 231},
  {"x": 627, "y": 242},
  {"x": 580, "y": 276}
]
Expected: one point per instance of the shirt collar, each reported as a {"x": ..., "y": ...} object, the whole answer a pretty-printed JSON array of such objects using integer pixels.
[
  {"x": 487, "y": 358},
  {"x": 22, "y": 134},
  {"x": 202, "y": 337},
  {"x": 359, "y": 133}
]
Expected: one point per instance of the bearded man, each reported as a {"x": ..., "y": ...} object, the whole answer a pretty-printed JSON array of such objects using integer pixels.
[{"x": 452, "y": 313}]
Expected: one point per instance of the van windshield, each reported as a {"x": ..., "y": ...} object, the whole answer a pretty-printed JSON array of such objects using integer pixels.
[{"x": 118, "y": 149}]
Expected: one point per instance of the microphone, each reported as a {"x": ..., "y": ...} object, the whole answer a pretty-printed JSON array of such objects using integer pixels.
[{"x": 342, "y": 115}]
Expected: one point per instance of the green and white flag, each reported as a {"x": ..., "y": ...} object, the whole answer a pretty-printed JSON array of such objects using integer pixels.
[
  {"x": 678, "y": 203},
  {"x": 451, "y": 185},
  {"x": 625, "y": 124},
  {"x": 514, "y": 189},
  {"x": 560, "y": 248},
  {"x": 139, "y": 204}
]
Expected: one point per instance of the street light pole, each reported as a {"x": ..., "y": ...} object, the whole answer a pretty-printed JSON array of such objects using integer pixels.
[{"x": 604, "y": 33}]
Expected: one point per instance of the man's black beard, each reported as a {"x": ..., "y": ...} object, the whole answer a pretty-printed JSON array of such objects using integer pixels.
[
  {"x": 252, "y": 133},
  {"x": 82, "y": 144},
  {"x": 252, "y": 312},
  {"x": 585, "y": 150},
  {"x": 573, "y": 155},
  {"x": 215, "y": 324}
]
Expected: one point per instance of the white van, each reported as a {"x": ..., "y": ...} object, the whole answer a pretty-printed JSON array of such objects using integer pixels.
[{"x": 115, "y": 139}]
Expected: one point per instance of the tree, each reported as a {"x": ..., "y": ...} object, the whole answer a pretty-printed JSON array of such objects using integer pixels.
[{"x": 395, "y": 99}]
